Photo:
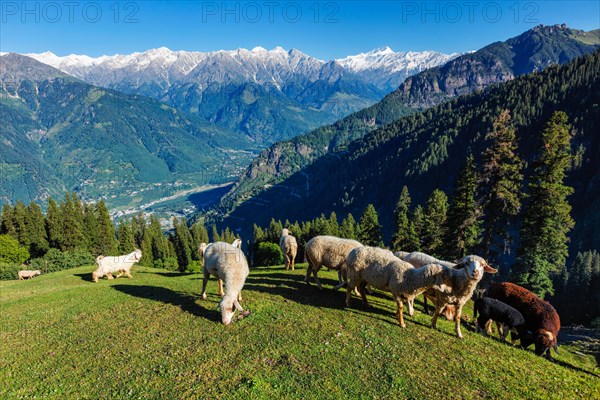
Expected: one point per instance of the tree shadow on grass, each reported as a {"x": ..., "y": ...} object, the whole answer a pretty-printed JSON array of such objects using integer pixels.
[{"x": 183, "y": 300}]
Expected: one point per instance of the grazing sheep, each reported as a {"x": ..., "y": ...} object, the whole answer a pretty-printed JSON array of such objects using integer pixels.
[
  {"x": 329, "y": 251},
  {"x": 122, "y": 264},
  {"x": 418, "y": 259},
  {"x": 380, "y": 268},
  {"x": 463, "y": 280},
  {"x": 202, "y": 248},
  {"x": 289, "y": 248},
  {"x": 541, "y": 319},
  {"x": 505, "y": 316},
  {"x": 28, "y": 274},
  {"x": 228, "y": 264}
]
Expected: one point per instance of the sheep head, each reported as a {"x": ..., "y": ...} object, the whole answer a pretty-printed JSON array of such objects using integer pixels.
[
  {"x": 475, "y": 267},
  {"x": 202, "y": 249},
  {"x": 228, "y": 306},
  {"x": 237, "y": 243},
  {"x": 285, "y": 232},
  {"x": 37, "y": 272},
  {"x": 137, "y": 254}
]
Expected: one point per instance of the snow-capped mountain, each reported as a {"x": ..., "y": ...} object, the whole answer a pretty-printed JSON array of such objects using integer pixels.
[
  {"x": 388, "y": 69},
  {"x": 268, "y": 95}
]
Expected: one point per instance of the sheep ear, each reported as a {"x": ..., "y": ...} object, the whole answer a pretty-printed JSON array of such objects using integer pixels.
[{"x": 489, "y": 269}]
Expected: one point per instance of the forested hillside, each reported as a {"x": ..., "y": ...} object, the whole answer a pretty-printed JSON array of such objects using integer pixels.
[
  {"x": 498, "y": 62},
  {"x": 425, "y": 151}
]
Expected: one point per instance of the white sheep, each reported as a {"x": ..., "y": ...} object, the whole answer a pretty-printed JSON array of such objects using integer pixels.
[
  {"x": 236, "y": 243},
  {"x": 28, "y": 274},
  {"x": 289, "y": 248},
  {"x": 109, "y": 264},
  {"x": 418, "y": 259},
  {"x": 329, "y": 251},
  {"x": 228, "y": 264},
  {"x": 464, "y": 278},
  {"x": 382, "y": 269}
]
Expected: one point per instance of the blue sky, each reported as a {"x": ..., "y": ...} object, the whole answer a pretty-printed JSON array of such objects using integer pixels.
[{"x": 324, "y": 29}]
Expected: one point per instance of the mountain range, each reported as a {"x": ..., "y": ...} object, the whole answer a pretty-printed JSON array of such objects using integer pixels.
[
  {"x": 266, "y": 95},
  {"x": 493, "y": 64},
  {"x": 61, "y": 134}
]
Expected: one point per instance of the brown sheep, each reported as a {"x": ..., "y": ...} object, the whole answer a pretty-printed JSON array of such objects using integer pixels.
[{"x": 541, "y": 319}]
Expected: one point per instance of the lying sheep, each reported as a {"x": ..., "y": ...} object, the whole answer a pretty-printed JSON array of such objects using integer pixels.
[
  {"x": 289, "y": 248},
  {"x": 506, "y": 317},
  {"x": 228, "y": 264},
  {"x": 541, "y": 319},
  {"x": 380, "y": 268},
  {"x": 463, "y": 280},
  {"x": 122, "y": 264},
  {"x": 329, "y": 251},
  {"x": 28, "y": 274},
  {"x": 418, "y": 259}
]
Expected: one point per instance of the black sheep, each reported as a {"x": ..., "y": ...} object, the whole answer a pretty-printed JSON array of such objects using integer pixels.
[{"x": 506, "y": 317}]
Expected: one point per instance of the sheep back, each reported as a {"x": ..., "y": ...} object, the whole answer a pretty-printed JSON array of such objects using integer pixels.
[{"x": 329, "y": 251}]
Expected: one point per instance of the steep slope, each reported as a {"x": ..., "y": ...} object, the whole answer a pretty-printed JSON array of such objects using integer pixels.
[
  {"x": 498, "y": 62},
  {"x": 495, "y": 63},
  {"x": 426, "y": 150},
  {"x": 266, "y": 95},
  {"x": 60, "y": 134}
]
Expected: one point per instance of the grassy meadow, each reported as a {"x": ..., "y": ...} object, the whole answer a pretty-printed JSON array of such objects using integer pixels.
[{"x": 154, "y": 337}]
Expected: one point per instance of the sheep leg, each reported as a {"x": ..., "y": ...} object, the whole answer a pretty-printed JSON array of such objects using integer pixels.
[
  {"x": 488, "y": 326},
  {"x": 121, "y": 272},
  {"x": 400, "y": 313},
  {"x": 438, "y": 310},
  {"x": 293, "y": 262},
  {"x": 425, "y": 305},
  {"x": 240, "y": 296},
  {"x": 308, "y": 272},
  {"x": 109, "y": 276},
  {"x": 287, "y": 261},
  {"x": 220, "y": 283},
  {"x": 457, "y": 322},
  {"x": 204, "y": 282},
  {"x": 348, "y": 294},
  {"x": 317, "y": 281},
  {"x": 363, "y": 293},
  {"x": 128, "y": 274}
]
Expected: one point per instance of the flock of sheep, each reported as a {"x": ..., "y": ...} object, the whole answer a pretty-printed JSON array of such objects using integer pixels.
[{"x": 360, "y": 268}]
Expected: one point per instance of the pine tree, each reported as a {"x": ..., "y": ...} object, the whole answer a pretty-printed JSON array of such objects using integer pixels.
[
  {"x": 38, "y": 237},
  {"x": 333, "y": 227},
  {"x": 6, "y": 223},
  {"x": 501, "y": 181},
  {"x": 90, "y": 227},
  {"x": 215, "y": 234},
  {"x": 54, "y": 225},
  {"x": 147, "y": 253},
  {"x": 463, "y": 223},
  {"x": 107, "y": 241},
  {"x": 138, "y": 227},
  {"x": 181, "y": 243},
  {"x": 418, "y": 221},
  {"x": 126, "y": 240},
  {"x": 434, "y": 224},
  {"x": 199, "y": 235},
  {"x": 160, "y": 246},
  {"x": 369, "y": 229},
  {"x": 20, "y": 223},
  {"x": 405, "y": 237},
  {"x": 72, "y": 225},
  {"x": 348, "y": 227},
  {"x": 544, "y": 250}
]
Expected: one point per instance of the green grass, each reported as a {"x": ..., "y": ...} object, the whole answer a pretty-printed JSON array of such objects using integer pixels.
[{"x": 153, "y": 337}]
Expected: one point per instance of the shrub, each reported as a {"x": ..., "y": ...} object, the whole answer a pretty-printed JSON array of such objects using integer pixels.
[
  {"x": 55, "y": 260},
  {"x": 268, "y": 254},
  {"x": 11, "y": 252},
  {"x": 9, "y": 271}
]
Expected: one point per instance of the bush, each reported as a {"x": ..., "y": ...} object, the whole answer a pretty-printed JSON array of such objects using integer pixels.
[
  {"x": 11, "y": 252},
  {"x": 9, "y": 271},
  {"x": 55, "y": 260},
  {"x": 268, "y": 254}
]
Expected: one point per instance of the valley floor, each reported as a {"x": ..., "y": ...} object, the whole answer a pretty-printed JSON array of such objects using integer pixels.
[{"x": 154, "y": 337}]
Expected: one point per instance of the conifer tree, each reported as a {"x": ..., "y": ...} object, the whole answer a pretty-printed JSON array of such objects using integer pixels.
[
  {"x": 54, "y": 225},
  {"x": 6, "y": 223},
  {"x": 543, "y": 250},
  {"x": 501, "y": 181},
  {"x": 160, "y": 246},
  {"x": 418, "y": 221},
  {"x": 138, "y": 227},
  {"x": 463, "y": 224},
  {"x": 405, "y": 237},
  {"x": 107, "y": 241},
  {"x": 333, "y": 227},
  {"x": 199, "y": 235},
  {"x": 434, "y": 216},
  {"x": 348, "y": 227},
  {"x": 369, "y": 228},
  {"x": 72, "y": 225},
  {"x": 126, "y": 241},
  {"x": 20, "y": 223},
  {"x": 90, "y": 227},
  {"x": 181, "y": 244},
  {"x": 147, "y": 253},
  {"x": 38, "y": 237},
  {"x": 215, "y": 234}
]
